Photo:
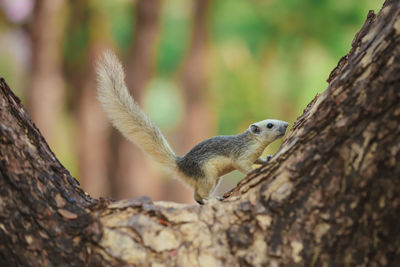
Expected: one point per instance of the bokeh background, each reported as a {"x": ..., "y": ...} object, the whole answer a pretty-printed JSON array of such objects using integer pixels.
[{"x": 198, "y": 67}]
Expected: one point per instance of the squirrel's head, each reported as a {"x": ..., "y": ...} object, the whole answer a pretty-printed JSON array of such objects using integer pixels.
[{"x": 268, "y": 130}]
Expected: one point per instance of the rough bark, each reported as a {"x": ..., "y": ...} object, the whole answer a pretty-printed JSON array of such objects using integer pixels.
[
  {"x": 329, "y": 197},
  {"x": 39, "y": 198}
]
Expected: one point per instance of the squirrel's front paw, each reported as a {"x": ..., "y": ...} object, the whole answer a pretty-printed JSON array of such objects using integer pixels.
[
  {"x": 205, "y": 201},
  {"x": 220, "y": 198},
  {"x": 201, "y": 202}
]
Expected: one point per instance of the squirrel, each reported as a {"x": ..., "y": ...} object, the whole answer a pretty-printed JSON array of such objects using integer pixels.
[{"x": 202, "y": 167}]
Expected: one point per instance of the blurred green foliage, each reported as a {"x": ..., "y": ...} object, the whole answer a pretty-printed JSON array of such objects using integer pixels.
[
  {"x": 267, "y": 58},
  {"x": 272, "y": 57}
]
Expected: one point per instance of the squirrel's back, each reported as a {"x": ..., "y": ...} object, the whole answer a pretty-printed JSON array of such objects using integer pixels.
[{"x": 223, "y": 146}]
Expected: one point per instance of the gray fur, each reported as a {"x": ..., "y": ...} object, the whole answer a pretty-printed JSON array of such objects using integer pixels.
[{"x": 226, "y": 145}]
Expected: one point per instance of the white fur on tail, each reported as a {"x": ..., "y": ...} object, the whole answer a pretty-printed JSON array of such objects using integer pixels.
[{"x": 126, "y": 115}]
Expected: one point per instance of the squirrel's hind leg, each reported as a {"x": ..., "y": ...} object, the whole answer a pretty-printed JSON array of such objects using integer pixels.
[{"x": 203, "y": 189}]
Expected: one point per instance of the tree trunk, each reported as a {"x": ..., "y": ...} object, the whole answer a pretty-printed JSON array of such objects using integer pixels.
[
  {"x": 329, "y": 197},
  {"x": 194, "y": 87},
  {"x": 93, "y": 130},
  {"x": 130, "y": 164},
  {"x": 46, "y": 90},
  {"x": 194, "y": 80}
]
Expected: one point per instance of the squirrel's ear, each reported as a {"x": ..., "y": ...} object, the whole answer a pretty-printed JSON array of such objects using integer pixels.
[{"x": 254, "y": 129}]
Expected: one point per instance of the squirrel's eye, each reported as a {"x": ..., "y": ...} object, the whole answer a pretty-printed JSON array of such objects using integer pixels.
[{"x": 270, "y": 125}]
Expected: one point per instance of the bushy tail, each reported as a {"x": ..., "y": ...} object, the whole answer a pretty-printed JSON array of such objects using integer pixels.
[{"x": 126, "y": 115}]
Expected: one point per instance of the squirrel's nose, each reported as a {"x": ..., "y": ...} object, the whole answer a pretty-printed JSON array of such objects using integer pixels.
[{"x": 284, "y": 127}]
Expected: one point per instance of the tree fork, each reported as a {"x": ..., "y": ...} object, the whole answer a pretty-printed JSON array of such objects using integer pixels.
[{"x": 329, "y": 197}]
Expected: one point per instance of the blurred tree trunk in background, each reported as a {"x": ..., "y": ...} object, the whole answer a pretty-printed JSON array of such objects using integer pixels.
[
  {"x": 46, "y": 91},
  {"x": 129, "y": 164},
  {"x": 92, "y": 129},
  {"x": 197, "y": 119}
]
